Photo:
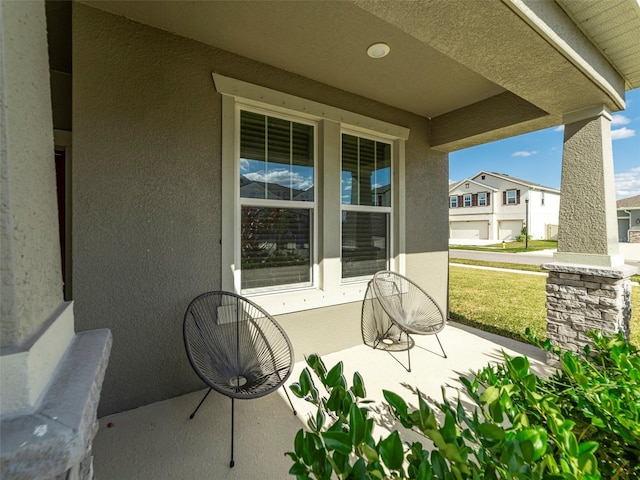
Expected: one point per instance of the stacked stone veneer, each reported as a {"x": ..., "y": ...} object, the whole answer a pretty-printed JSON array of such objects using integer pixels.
[
  {"x": 581, "y": 299},
  {"x": 634, "y": 236}
]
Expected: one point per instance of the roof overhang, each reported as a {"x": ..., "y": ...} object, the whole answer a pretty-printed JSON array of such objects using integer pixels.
[{"x": 481, "y": 70}]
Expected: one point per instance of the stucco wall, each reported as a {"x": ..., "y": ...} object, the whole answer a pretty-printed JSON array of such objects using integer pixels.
[
  {"x": 146, "y": 206},
  {"x": 30, "y": 258}
]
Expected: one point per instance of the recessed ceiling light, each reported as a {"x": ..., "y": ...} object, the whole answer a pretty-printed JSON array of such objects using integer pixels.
[{"x": 378, "y": 50}]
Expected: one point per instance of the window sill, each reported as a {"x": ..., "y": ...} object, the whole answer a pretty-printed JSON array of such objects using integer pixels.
[{"x": 296, "y": 300}]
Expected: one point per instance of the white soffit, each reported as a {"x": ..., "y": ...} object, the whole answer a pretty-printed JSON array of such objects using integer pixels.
[{"x": 613, "y": 26}]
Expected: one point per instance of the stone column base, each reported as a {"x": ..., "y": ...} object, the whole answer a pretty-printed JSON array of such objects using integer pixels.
[{"x": 582, "y": 298}]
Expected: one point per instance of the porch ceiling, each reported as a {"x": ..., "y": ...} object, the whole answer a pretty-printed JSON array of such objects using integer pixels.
[{"x": 481, "y": 70}]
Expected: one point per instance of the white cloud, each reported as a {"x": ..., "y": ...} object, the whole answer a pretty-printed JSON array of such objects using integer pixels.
[
  {"x": 620, "y": 133},
  {"x": 628, "y": 183},
  {"x": 524, "y": 153},
  {"x": 619, "y": 120},
  {"x": 244, "y": 164},
  {"x": 282, "y": 177},
  {"x": 559, "y": 128}
]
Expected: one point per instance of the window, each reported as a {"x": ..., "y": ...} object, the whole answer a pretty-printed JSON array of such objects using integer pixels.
[
  {"x": 453, "y": 201},
  {"x": 542, "y": 198},
  {"x": 366, "y": 205},
  {"x": 482, "y": 199},
  {"x": 511, "y": 197},
  {"x": 312, "y": 197},
  {"x": 467, "y": 200}
]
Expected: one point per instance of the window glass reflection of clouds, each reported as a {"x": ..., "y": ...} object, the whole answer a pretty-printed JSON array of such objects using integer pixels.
[
  {"x": 276, "y": 158},
  {"x": 366, "y": 172}
]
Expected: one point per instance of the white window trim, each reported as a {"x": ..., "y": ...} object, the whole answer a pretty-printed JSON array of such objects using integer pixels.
[
  {"x": 515, "y": 197},
  {"x": 464, "y": 200},
  {"x": 451, "y": 200},
  {"x": 484, "y": 198},
  {"x": 328, "y": 289}
]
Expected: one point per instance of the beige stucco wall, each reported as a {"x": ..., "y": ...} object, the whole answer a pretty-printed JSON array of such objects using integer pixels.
[
  {"x": 30, "y": 258},
  {"x": 146, "y": 206}
]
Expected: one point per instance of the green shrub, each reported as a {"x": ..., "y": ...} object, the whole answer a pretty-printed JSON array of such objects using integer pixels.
[{"x": 581, "y": 423}]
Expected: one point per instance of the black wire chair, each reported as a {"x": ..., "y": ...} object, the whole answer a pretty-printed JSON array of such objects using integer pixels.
[
  {"x": 393, "y": 309},
  {"x": 236, "y": 348}
]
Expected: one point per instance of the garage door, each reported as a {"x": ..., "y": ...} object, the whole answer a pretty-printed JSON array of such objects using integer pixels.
[
  {"x": 469, "y": 230},
  {"x": 509, "y": 229}
]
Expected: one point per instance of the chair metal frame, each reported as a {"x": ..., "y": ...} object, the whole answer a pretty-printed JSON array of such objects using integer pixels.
[
  {"x": 396, "y": 315},
  {"x": 198, "y": 339}
]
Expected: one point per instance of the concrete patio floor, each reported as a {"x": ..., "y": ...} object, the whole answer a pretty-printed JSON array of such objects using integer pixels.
[{"x": 159, "y": 441}]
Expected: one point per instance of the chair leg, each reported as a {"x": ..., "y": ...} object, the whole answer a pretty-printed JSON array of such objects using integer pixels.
[
  {"x": 289, "y": 398},
  {"x": 445, "y": 355},
  {"x": 232, "y": 463},
  {"x": 201, "y": 402},
  {"x": 408, "y": 351}
]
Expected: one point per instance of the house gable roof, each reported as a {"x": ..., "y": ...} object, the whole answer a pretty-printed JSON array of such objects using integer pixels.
[
  {"x": 526, "y": 183},
  {"x": 629, "y": 203},
  {"x": 457, "y": 185},
  {"x": 503, "y": 176}
]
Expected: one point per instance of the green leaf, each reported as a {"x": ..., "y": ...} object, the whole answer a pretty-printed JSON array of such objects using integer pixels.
[
  {"x": 359, "y": 471},
  {"x": 305, "y": 382},
  {"x": 536, "y": 438},
  {"x": 588, "y": 463},
  {"x": 356, "y": 424},
  {"x": 298, "y": 443},
  {"x": 298, "y": 469},
  {"x": 358, "y": 386},
  {"x": 339, "y": 441},
  {"x": 590, "y": 447},
  {"x": 491, "y": 431},
  {"x": 334, "y": 375},
  {"x": 297, "y": 391},
  {"x": 520, "y": 366},
  {"x": 370, "y": 453},
  {"x": 319, "y": 419},
  {"x": 334, "y": 403},
  {"x": 397, "y": 402},
  {"x": 391, "y": 451},
  {"x": 490, "y": 395}
]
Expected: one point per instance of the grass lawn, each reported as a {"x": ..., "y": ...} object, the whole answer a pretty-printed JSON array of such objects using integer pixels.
[
  {"x": 511, "y": 247},
  {"x": 507, "y": 303}
]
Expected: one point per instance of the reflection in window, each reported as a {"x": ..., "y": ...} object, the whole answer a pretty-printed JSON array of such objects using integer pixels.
[
  {"x": 276, "y": 158},
  {"x": 366, "y": 172},
  {"x": 275, "y": 247}
]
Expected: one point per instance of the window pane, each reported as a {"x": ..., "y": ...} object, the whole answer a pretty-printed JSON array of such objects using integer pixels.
[
  {"x": 364, "y": 243},
  {"x": 275, "y": 247},
  {"x": 276, "y": 158},
  {"x": 366, "y": 172}
]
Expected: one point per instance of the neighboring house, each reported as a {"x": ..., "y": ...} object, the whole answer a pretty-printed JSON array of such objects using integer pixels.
[
  {"x": 629, "y": 219},
  {"x": 495, "y": 206}
]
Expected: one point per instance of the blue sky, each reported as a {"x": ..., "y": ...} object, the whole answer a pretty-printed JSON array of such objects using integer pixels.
[{"x": 537, "y": 156}]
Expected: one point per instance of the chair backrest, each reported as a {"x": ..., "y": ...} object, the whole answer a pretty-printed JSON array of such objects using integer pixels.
[
  {"x": 236, "y": 347},
  {"x": 407, "y": 304}
]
